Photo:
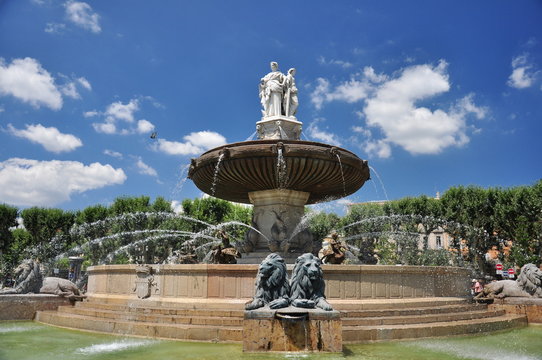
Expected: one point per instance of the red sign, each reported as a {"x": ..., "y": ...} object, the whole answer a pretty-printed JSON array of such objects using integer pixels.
[
  {"x": 511, "y": 271},
  {"x": 498, "y": 267}
]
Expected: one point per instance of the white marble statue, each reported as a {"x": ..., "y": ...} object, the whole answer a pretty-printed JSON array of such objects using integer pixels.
[
  {"x": 290, "y": 101},
  {"x": 271, "y": 91}
]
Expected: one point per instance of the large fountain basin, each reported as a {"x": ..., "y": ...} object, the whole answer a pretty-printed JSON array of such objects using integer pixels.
[{"x": 326, "y": 172}]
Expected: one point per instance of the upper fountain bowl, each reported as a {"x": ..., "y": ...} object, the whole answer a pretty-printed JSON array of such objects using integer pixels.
[{"x": 326, "y": 172}]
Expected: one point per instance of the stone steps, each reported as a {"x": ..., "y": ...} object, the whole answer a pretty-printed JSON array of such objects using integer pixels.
[
  {"x": 145, "y": 329},
  {"x": 420, "y": 319},
  {"x": 200, "y": 318},
  {"x": 437, "y": 309},
  {"x": 360, "y": 334},
  {"x": 222, "y": 320},
  {"x": 204, "y": 311}
]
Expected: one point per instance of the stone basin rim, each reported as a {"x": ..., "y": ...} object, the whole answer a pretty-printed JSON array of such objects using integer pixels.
[{"x": 250, "y": 166}]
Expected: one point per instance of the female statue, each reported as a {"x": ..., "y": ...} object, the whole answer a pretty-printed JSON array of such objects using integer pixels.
[{"x": 271, "y": 90}]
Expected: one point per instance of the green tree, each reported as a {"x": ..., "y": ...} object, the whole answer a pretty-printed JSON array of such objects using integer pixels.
[
  {"x": 46, "y": 225},
  {"x": 8, "y": 219}
]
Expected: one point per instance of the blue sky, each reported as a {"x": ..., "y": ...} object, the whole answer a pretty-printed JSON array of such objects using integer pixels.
[{"x": 433, "y": 94}]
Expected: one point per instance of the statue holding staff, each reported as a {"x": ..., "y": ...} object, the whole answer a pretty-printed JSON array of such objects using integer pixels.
[{"x": 290, "y": 101}]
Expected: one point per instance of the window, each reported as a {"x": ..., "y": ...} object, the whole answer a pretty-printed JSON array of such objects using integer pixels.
[{"x": 439, "y": 242}]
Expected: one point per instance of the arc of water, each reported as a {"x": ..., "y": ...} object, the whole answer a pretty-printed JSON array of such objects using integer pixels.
[
  {"x": 342, "y": 173},
  {"x": 251, "y": 136},
  {"x": 380, "y": 180},
  {"x": 217, "y": 170},
  {"x": 109, "y": 257},
  {"x": 214, "y": 228},
  {"x": 183, "y": 175}
]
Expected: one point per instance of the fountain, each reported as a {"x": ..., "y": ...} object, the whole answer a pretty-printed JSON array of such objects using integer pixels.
[{"x": 279, "y": 174}]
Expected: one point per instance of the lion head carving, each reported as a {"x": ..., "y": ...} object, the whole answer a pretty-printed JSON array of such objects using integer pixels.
[
  {"x": 530, "y": 280},
  {"x": 307, "y": 284},
  {"x": 271, "y": 284}
]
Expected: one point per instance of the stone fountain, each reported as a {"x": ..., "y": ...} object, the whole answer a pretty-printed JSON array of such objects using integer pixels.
[{"x": 278, "y": 173}]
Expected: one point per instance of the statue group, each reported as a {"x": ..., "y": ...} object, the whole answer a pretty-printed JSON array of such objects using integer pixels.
[{"x": 278, "y": 93}]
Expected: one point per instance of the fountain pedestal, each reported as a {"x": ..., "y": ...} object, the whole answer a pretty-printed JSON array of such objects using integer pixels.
[
  {"x": 277, "y": 215},
  {"x": 292, "y": 329}
]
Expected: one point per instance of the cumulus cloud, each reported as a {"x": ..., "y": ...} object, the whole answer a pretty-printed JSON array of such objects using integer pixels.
[
  {"x": 144, "y": 126},
  {"x": 26, "y": 182},
  {"x": 144, "y": 168},
  {"x": 194, "y": 143},
  {"x": 115, "y": 114},
  {"x": 120, "y": 111},
  {"x": 314, "y": 132},
  {"x": 523, "y": 73},
  {"x": 29, "y": 82},
  {"x": 390, "y": 106},
  {"x": 48, "y": 137},
  {"x": 81, "y": 14},
  {"x": 351, "y": 91}
]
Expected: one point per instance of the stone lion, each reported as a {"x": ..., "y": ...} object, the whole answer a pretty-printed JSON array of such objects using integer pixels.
[
  {"x": 28, "y": 278},
  {"x": 59, "y": 286},
  {"x": 307, "y": 284},
  {"x": 528, "y": 284},
  {"x": 271, "y": 284}
]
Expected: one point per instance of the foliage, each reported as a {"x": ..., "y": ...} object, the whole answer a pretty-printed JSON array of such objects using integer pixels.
[
  {"x": 8, "y": 219},
  {"x": 322, "y": 224}
]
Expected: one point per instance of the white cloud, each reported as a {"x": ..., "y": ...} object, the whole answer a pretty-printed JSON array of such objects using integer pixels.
[
  {"x": 81, "y": 14},
  {"x": 523, "y": 73},
  {"x": 54, "y": 28},
  {"x": 144, "y": 126},
  {"x": 144, "y": 168},
  {"x": 91, "y": 113},
  {"x": 105, "y": 128},
  {"x": 70, "y": 90},
  {"x": 344, "y": 64},
  {"x": 390, "y": 105},
  {"x": 112, "y": 153},
  {"x": 117, "y": 112},
  {"x": 84, "y": 83},
  {"x": 177, "y": 207},
  {"x": 120, "y": 111},
  {"x": 26, "y": 182},
  {"x": 195, "y": 143},
  {"x": 314, "y": 132},
  {"x": 48, "y": 137},
  {"x": 351, "y": 91},
  {"x": 418, "y": 130},
  {"x": 205, "y": 139},
  {"x": 29, "y": 82}
]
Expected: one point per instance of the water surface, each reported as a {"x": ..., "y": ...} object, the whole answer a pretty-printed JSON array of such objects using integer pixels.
[{"x": 29, "y": 340}]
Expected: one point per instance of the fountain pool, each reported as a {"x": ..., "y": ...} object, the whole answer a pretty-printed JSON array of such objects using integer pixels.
[{"x": 21, "y": 339}]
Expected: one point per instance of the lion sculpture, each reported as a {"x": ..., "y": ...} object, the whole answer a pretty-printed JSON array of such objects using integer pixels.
[
  {"x": 271, "y": 284},
  {"x": 528, "y": 284},
  {"x": 30, "y": 280},
  {"x": 307, "y": 284}
]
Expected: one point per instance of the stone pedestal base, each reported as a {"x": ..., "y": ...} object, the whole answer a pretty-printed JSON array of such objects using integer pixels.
[
  {"x": 277, "y": 214},
  {"x": 279, "y": 127},
  {"x": 292, "y": 329}
]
